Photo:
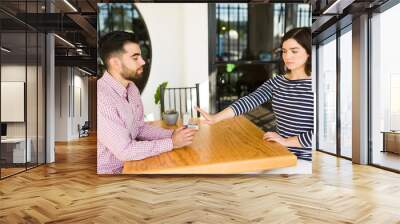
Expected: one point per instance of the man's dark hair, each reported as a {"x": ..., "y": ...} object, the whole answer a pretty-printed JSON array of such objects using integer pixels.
[{"x": 113, "y": 43}]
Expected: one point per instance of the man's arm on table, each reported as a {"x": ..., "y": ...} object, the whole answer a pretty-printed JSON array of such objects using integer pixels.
[
  {"x": 113, "y": 134},
  {"x": 151, "y": 132}
]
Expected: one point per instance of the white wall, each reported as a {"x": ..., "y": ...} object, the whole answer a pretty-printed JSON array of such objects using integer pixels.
[
  {"x": 13, "y": 73},
  {"x": 33, "y": 126},
  {"x": 50, "y": 95},
  {"x": 61, "y": 103},
  {"x": 67, "y": 114},
  {"x": 179, "y": 39},
  {"x": 79, "y": 117},
  {"x": 16, "y": 73},
  {"x": 195, "y": 64}
]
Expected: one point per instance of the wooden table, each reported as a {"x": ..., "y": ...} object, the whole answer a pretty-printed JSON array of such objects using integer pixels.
[{"x": 228, "y": 147}]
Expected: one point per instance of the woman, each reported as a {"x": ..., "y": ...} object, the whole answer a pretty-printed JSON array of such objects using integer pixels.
[{"x": 292, "y": 99}]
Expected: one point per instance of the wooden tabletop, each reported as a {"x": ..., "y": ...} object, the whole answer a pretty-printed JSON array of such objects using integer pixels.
[{"x": 228, "y": 147}]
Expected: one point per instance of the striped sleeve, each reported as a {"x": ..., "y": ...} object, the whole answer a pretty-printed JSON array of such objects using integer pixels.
[
  {"x": 254, "y": 99},
  {"x": 305, "y": 139}
]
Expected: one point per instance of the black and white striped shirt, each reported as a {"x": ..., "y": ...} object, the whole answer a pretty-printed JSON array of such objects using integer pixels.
[{"x": 293, "y": 106}]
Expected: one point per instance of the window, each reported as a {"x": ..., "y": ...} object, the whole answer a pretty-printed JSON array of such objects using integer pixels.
[
  {"x": 246, "y": 45},
  {"x": 22, "y": 76},
  {"x": 232, "y": 26},
  {"x": 303, "y": 15},
  {"x": 346, "y": 93},
  {"x": 327, "y": 96},
  {"x": 385, "y": 89}
]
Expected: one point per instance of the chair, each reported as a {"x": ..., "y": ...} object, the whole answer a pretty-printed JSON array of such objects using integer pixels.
[
  {"x": 180, "y": 99},
  {"x": 84, "y": 130}
]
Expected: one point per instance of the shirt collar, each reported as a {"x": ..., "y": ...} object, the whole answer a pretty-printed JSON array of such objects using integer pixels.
[{"x": 115, "y": 85}]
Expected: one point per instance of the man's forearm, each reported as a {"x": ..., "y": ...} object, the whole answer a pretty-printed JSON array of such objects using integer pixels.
[{"x": 150, "y": 132}]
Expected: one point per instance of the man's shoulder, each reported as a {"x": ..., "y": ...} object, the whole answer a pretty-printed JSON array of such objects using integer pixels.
[
  {"x": 101, "y": 82},
  {"x": 105, "y": 93},
  {"x": 103, "y": 87}
]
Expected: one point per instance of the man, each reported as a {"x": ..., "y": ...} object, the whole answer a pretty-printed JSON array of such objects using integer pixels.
[{"x": 122, "y": 134}]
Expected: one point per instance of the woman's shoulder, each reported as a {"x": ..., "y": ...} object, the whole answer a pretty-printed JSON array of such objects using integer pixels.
[
  {"x": 276, "y": 79},
  {"x": 284, "y": 77},
  {"x": 280, "y": 81},
  {"x": 293, "y": 82}
]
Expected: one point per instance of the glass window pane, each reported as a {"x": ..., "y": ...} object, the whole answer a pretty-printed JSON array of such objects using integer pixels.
[
  {"x": 385, "y": 87},
  {"x": 346, "y": 94},
  {"x": 31, "y": 97},
  {"x": 13, "y": 86},
  {"x": 327, "y": 96},
  {"x": 232, "y": 26},
  {"x": 41, "y": 99},
  {"x": 22, "y": 89}
]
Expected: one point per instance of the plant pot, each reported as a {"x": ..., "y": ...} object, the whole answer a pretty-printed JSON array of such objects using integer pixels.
[{"x": 170, "y": 118}]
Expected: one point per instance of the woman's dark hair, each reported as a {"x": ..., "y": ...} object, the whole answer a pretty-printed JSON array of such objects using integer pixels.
[
  {"x": 301, "y": 35},
  {"x": 113, "y": 43}
]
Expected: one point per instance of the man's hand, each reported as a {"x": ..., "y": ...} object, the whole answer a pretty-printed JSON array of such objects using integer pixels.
[
  {"x": 273, "y": 136},
  {"x": 183, "y": 137}
]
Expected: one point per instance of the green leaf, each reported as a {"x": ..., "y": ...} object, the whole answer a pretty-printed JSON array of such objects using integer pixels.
[
  {"x": 230, "y": 67},
  {"x": 157, "y": 95}
]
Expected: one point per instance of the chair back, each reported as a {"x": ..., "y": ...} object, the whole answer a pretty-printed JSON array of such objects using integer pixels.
[{"x": 181, "y": 99}]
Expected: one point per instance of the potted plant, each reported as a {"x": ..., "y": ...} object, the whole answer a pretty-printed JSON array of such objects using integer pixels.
[{"x": 169, "y": 116}]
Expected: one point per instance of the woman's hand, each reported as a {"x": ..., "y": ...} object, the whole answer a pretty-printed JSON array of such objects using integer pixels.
[
  {"x": 292, "y": 141},
  {"x": 273, "y": 136},
  {"x": 208, "y": 118}
]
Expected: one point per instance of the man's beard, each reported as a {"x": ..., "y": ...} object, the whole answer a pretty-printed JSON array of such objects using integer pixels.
[{"x": 131, "y": 74}]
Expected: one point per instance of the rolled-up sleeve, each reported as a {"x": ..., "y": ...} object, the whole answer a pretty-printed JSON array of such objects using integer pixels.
[
  {"x": 150, "y": 132},
  {"x": 113, "y": 134}
]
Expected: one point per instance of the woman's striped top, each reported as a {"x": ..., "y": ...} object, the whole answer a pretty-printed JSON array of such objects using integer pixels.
[{"x": 293, "y": 106}]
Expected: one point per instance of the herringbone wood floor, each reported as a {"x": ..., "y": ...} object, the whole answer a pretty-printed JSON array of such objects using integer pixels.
[{"x": 70, "y": 191}]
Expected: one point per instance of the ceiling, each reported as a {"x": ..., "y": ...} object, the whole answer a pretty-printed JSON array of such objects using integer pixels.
[
  {"x": 330, "y": 15},
  {"x": 74, "y": 22}
]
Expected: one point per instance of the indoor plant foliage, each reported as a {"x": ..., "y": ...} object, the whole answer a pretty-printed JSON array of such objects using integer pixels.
[
  {"x": 157, "y": 95},
  {"x": 169, "y": 116}
]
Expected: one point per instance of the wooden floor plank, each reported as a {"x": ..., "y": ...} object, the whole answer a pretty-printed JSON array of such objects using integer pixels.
[{"x": 70, "y": 191}]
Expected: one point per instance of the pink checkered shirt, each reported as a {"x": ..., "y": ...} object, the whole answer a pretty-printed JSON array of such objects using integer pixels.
[{"x": 122, "y": 133}]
